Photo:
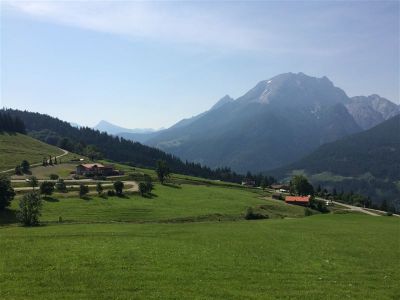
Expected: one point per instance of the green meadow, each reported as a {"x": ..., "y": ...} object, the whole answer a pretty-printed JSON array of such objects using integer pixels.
[
  {"x": 189, "y": 239},
  {"x": 319, "y": 257}
]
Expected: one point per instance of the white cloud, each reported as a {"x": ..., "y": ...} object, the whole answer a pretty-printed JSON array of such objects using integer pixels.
[
  {"x": 220, "y": 25},
  {"x": 171, "y": 22}
]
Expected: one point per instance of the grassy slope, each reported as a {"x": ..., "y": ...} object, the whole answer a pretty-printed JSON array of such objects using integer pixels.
[
  {"x": 17, "y": 147},
  {"x": 177, "y": 203},
  {"x": 320, "y": 257}
]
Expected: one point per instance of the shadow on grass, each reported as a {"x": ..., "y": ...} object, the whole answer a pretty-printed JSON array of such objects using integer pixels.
[
  {"x": 172, "y": 185},
  {"x": 8, "y": 216},
  {"x": 122, "y": 196},
  {"x": 50, "y": 199},
  {"x": 149, "y": 196}
]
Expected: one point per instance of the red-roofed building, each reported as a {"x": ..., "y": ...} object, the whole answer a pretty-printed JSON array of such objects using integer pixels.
[
  {"x": 298, "y": 200},
  {"x": 95, "y": 169}
]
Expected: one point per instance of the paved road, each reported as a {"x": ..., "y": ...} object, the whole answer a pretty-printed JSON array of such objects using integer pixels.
[{"x": 65, "y": 152}]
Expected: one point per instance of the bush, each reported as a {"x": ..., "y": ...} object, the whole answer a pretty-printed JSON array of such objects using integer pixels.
[
  {"x": 83, "y": 190},
  {"x": 110, "y": 193},
  {"x": 30, "y": 209},
  {"x": 319, "y": 206},
  {"x": 99, "y": 188},
  {"x": 308, "y": 212},
  {"x": 118, "y": 187},
  {"x": 61, "y": 186},
  {"x": 47, "y": 188},
  {"x": 251, "y": 215},
  {"x": 6, "y": 192},
  {"x": 54, "y": 176},
  {"x": 25, "y": 166},
  {"x": 18, "y": 170}
]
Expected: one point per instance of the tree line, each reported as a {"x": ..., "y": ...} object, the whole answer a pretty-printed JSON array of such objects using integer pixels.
[{"x": 10, "y": 123}]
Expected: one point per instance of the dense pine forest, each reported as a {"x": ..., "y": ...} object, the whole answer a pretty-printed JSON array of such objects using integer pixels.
[{"x": 9, "y": 123}]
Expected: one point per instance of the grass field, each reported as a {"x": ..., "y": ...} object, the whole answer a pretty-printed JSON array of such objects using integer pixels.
[
  {"x": 319, "y": 257},
  {"x": 16, "y": 147},
  {"x": 173, "y": 203},
  {"x": 189, "y": 240}
]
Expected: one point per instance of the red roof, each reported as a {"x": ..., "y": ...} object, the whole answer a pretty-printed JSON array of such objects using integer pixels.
[{"x": 297, "y": 199}]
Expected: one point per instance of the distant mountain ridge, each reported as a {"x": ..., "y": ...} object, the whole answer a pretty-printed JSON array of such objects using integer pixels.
[
  {"x": 110, "y": 128},
  {"x": 276, "y": 122},
  {"x": 371, "y": 110}
]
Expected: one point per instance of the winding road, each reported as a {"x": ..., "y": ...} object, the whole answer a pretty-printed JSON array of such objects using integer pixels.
[{"x": 65, "y": 152}]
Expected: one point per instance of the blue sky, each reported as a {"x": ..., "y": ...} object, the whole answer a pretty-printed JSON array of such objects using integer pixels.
[{"x": 150, "y": 64}]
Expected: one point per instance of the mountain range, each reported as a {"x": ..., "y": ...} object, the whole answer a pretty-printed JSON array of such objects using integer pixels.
[
  {"x": 277, "y": 122},
  {"x": 105, "y": 126}
]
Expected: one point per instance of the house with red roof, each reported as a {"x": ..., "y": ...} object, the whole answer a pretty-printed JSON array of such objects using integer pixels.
[
  {"x": 96, "y": 169},
  {"x": 298, "y": 200}
]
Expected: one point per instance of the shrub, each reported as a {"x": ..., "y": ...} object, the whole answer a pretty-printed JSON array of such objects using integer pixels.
[
  {"x": 110, "y": 193},
  {"x": 30, "y": 209},
  {"x": 61, "y": 186},
  {"x": 18, "y": 170},
  {"x": 54, "y": 176},
  {"x": 118, "y": 187},
  {"x": 6, "y": 192},
  {"x": 99, "y": 188},
  {"x": 142, "y": 188},
  {"x": 251, "y": 215},
  {"x": 47, "y": 188},
  {"x": 308, "y": 212},
  {"x": 83, "y": 190},
  {"x": 33, "y": 182},
  {"x": 25, "y": 166}
]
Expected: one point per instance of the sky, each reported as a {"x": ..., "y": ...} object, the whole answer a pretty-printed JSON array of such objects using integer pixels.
[{"x": 151, "y": 64}]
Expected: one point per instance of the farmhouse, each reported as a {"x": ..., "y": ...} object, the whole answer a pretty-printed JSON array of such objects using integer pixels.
[
  {"x": 280, "y": 187},
  {"x": 95, "y": 170},
  {"x": 298, "y": 200}
]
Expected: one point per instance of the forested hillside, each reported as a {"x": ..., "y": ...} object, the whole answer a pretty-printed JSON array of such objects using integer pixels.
[
  {"x": 367, "y": 162},
  {"x": 96, "y": 144}
]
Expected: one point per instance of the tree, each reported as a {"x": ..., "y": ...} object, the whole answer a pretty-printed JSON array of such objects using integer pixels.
[
  {"x": 18, "y": 170},
  {"x": 47, "y": 188},
  {"x": 319, "y": 190},
  {"x": 299, "y": 185},
  {"x": 25, "y": 166},
  {"x": 83, "y": 190},
  {"x": 118, "y": 187},
  {"x": 61, "y": 186},
  {"x": 162, "y": 170},
  {"x": 30, "y": 209},
  {"x": 264, "y": 183},
  {"x": 33, "y": 182},
  {"x": 55, "y": 160},
  {"x": 142, "y": 188},
  {"x": 99, "y": 188},
  {"x": 384, "y": 205},
  {"x": 6, "y": 192},
  {"x": 54, "y": 176}
]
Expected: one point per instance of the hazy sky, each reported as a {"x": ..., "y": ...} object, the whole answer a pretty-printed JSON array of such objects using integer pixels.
[{"x": 150, "y": 64}]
